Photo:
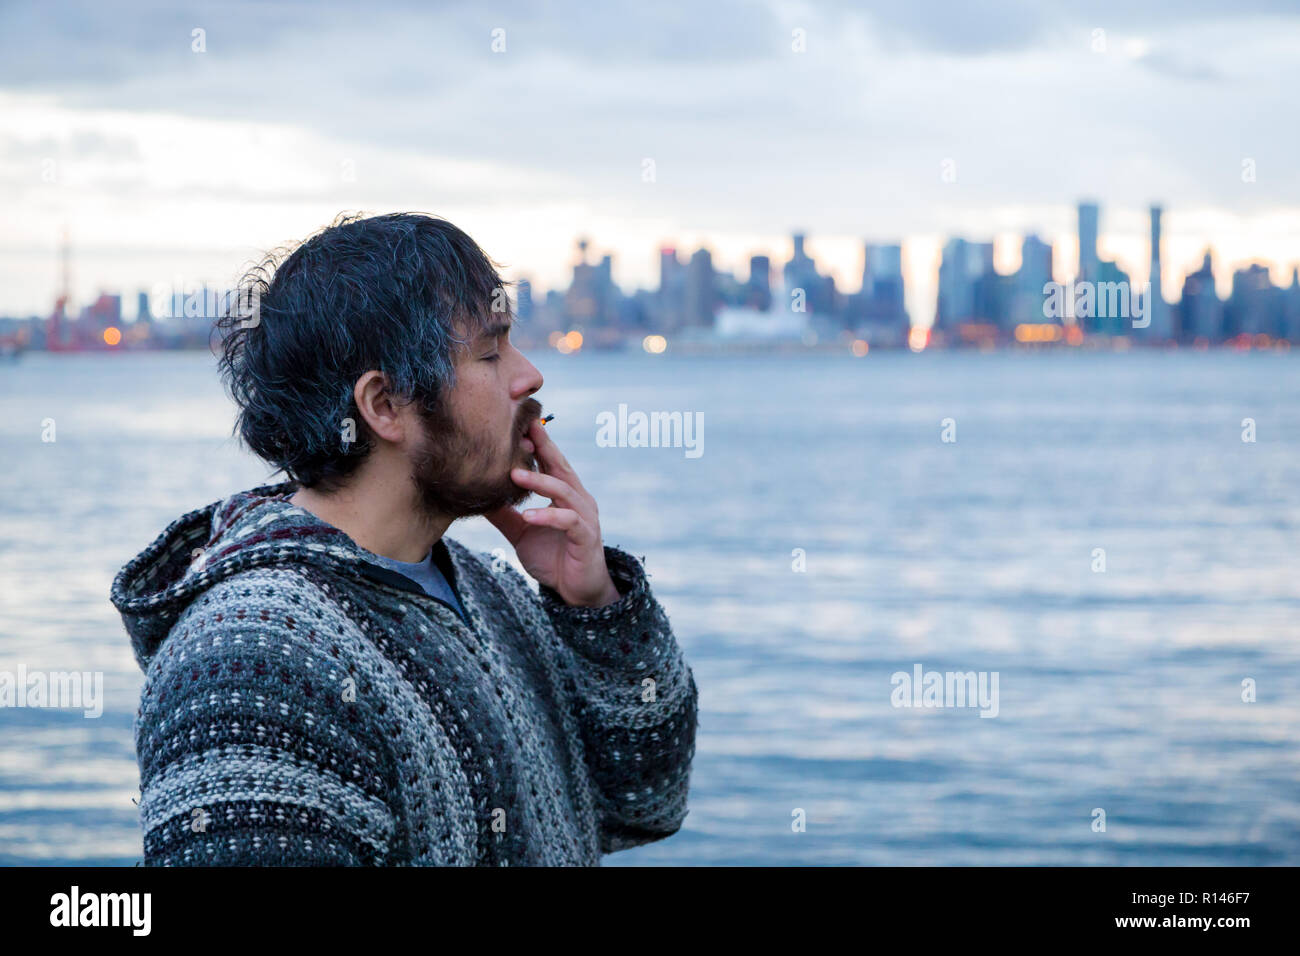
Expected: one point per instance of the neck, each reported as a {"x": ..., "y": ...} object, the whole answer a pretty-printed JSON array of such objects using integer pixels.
[{"x": 378, "y": 513}]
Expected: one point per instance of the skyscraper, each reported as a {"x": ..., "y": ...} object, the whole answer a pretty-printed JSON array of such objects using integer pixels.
[
  {"x": 881, "y": 264},
  {"x": 1200, "y": 311},
  {"x": 590, "y": 296},
  {"x": 671, "y": 303},
  {"x": 956, "y": 302},
  {"x": 1089, "y": 215},
  {"x": 1156, "y": 308},
  {"x": 700, "y": 289},
  {"x": 801, "y": 273},
  {"x": 524, "y": 299},
  {"x": 1027, "y": 298},
  {"x": 882, "y": 278},
  {"x": 881, "y": 303},
  {"x": 1291, "y": 309},
  {"x": 1111, "y": 314},
  {"x": 758, "y": 290},
  {"x": 1255, "y": 306}
]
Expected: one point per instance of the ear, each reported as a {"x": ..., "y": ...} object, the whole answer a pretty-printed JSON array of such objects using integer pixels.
[{"x": 383, "y": 417}]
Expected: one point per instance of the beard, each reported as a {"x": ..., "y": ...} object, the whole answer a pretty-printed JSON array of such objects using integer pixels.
[{"x": 459, "y": 475}]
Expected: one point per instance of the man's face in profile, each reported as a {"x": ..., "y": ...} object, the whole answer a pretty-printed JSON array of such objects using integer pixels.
[{"x": 475, "y": 437}]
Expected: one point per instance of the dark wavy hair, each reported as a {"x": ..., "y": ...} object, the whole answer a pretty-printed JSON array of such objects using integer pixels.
[{"x": 402, "y": 293}]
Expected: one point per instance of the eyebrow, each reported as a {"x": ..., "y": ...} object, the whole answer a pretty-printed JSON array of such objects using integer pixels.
[{"x": 492, "y": 331}]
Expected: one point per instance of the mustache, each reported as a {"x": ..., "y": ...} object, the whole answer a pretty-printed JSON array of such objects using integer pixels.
[{"x": 530, "y": 408}]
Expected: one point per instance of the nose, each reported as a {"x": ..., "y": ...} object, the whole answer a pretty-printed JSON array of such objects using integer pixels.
[{"x": 528, "y": 380}]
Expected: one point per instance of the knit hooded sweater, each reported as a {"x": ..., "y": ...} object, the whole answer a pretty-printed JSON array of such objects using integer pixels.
[{"x": 304, "y": 705}]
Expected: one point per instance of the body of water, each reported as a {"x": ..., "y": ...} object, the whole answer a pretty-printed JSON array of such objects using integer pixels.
[{"x": 827, "y": 538}]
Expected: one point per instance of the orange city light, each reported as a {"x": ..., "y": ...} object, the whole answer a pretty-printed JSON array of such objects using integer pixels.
[
  {"x": 112, "y": 335},
  {"x": 569, "y": 342},
  {"x": 1038, "y": 332}
]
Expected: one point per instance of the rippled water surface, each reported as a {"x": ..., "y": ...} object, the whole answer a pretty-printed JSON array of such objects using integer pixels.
[{"x": 1119, "y": 690}]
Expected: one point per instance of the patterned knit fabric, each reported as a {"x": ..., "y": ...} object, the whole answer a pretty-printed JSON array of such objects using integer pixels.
[{"x": 305, "y": 706}]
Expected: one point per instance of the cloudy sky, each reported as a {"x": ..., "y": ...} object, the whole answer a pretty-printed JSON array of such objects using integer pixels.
[{"x": 170, "y": 154}]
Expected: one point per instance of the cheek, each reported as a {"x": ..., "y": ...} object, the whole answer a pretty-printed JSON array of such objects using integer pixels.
[{"x": 485, "y": 416}]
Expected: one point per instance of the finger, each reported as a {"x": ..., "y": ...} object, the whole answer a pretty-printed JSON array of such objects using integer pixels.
[
  {"x": 550, "y": 487},
  {"x": 564, "y": 519},
  {"x": 549, "y": 454},
  {"x": 509, "y": 522}
]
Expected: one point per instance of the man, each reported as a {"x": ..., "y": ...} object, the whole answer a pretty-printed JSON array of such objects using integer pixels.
[{"x": 333, "y": 681}]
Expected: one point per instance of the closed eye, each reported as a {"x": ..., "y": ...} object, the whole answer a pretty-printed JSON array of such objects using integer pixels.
[{"x": 492, "y": 358}]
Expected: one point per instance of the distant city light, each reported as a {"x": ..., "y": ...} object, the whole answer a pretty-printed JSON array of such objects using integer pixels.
[
  {"x": 860, "y": 347},
  {"x": 112, "y": 335},
  {"x": 918, "y": 338},
  {"x": 570, "y": 342},
  {"x": 654, "y": 344},
  {"x": 1038, "y": 332}
]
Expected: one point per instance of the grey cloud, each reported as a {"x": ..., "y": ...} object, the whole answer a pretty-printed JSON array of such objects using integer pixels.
[
  {"x": 998, "y": 26},
  {"x": 1180, "y": 67},
  {"x": 81, "y": 145}
]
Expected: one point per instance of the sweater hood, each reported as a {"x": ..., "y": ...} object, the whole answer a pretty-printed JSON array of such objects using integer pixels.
[{"x": 250, "y": 529}]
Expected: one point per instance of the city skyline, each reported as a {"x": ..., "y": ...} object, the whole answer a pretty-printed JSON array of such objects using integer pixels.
[
  {"x": 977, "y": 303},
  {"x": 1128, "y": 250}
]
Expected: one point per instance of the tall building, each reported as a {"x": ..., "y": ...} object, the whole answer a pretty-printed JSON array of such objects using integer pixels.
[
  {"x": 1112, "y": 311},
  {"x": 971, "y": 292},
  {"x": 591, "y": 296},
  {"x": 103, "y": 312},
  {"x": 524, "y": 300},
  {"x": 608, "y": 294},
  {"x": 701, "y": 294},
  {"x": 1291, "y": 309},
  {"x": 1089, "y": 215},
  {"x": 669, "y": 267},
  {"x": 882, "y": 284},
  {"x": 1028, "y": 299},
  {"x": 1157, "y": 308},
  {"x": 990, "y": 289},
  {"x": 1200, "y": 313},
  {"x": 1255, "y": 306},
  {"x": 671, "y": 298},
  {"x": 801, "y": 273},
  {"x": 758, "y": 290},
  {"x": 956, "y": 301}
]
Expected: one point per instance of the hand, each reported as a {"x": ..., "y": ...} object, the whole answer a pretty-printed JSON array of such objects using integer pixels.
[{"x": 559, "y": 545}]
